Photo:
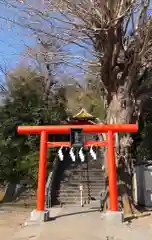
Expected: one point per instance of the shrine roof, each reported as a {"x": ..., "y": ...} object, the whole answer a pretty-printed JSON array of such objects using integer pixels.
[{"x": 83, "y": 114}]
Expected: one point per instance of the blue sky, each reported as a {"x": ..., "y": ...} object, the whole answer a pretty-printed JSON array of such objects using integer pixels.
[
  {"x": 12, "y": 44},
  {"x": 13, "y": 40}
]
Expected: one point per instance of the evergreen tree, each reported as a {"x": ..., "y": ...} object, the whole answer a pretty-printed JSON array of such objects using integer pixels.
[{"x": 25, "y": 105}]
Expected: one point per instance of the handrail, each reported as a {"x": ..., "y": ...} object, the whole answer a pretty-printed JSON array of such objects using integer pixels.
[{"x": 50, "y": 181}]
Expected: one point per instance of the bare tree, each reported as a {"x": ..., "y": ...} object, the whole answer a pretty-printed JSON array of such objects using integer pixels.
[{"x": 118, "y": 33}]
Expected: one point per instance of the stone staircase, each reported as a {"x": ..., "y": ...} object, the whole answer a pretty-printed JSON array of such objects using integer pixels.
[{"x": 73, "y": 174}]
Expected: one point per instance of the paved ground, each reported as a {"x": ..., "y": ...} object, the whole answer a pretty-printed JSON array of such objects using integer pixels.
[
  {"x": 87, "y": 224},
  {"x": 71, "y": 224},
  {"x": 11, "y": 220}
]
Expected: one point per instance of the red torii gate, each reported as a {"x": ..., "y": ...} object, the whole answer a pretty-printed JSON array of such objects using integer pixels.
[{"x": 65, "y": 129}]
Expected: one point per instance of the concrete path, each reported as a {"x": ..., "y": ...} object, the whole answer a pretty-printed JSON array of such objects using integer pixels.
[{"x": 85, "y": 224}]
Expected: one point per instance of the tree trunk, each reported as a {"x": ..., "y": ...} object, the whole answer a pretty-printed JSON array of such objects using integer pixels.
[{"x": 120, "y": 110}]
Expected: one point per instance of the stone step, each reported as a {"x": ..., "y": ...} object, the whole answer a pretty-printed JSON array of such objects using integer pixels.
[
  {"x": 67, "y": 196},
  {"x": 75, "y": 184},
  {"x": 78, "y": 180},
  {"x": 97, "y": 191},
  {"x": 85, "y": 194},
  {"x": 83, "y": 178},
  {"x": 71, "y": 203},
  {"x": 93, "y": 196},
  {"x": 70, "y": 194},
  {"x": 95, "y": 184},
  {"x": 82, "y": 170},
  {"x": 85, "y": 182},
  {"x": 77, "y": 189},
  {"x": 76, "y": 200},
  {"x": 87, "y": 168},
  {"x": 65, "y": 186},
  {"x": 83, "y": 174},
  {"x": 64, "y": 189},
  {"x": 75, "y": 176},
  {"x": 78, "y": 177}
]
